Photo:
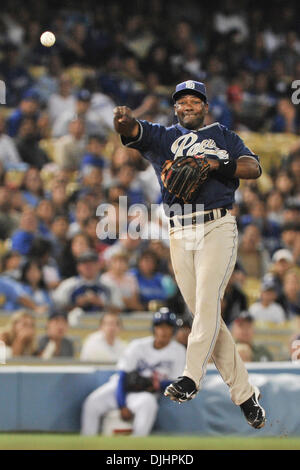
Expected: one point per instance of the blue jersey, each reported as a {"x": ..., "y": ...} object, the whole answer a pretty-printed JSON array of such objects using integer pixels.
[
  {"x": 10, "y": 292},
  {"x": 158, "y": 144}
]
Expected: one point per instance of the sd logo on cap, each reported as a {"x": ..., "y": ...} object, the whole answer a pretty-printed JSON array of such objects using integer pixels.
[{"x": 190, "y": 87}]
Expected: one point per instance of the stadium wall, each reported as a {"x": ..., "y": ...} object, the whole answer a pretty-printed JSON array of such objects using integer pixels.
[{"x": 49, "y": 399}]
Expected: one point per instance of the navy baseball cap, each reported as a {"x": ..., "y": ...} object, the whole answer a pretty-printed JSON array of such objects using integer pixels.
[
  {"x": 164, "y": 316},
  {"x": 190, "y": 87},
  {"x": 84, "y": 95}
]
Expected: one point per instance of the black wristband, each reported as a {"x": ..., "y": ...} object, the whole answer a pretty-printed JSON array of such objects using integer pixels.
[{"x": 227, "y": 168}]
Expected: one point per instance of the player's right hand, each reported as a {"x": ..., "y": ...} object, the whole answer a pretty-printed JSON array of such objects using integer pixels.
[
  {"x": 126, "y": 414},
  {"x": 124, "y": 122}
]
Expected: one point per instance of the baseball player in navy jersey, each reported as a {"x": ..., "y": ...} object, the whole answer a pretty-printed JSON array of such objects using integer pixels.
[
  {"x": 146, "y": 368},
  {"x": 202, "y": 273}
]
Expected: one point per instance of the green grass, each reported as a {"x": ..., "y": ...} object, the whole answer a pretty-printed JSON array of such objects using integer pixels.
[{"x": 155, "y": 442}]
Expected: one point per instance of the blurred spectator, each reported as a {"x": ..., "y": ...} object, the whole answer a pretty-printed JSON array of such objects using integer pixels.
[
  {"x": 19, "y": 335},
  {"x": 94, "y": 155},
  {"x": 32, "y": 188},
  {"x": 41, "y": 250},
  {"x": 91, "y": 184},
  {"x": 70, "y": 147},
  {"x": 243, "y": 332},
  {"x": 91, "y": 231},
  {"x": 22, "y": 238},
  {"x": 82, "y": 213},
  {"x": 266, "y": 309},
  {"x": 93, "y": 121},
  {"x": 282, "y": 262},
  {"x": 153, "y": 285},
  {"x": 28, "y": 109},
  {"x": 284, "y": 183},
  {"x": 291, "y": 291},
  {"x": 45, "y": 215},
  {"x": 59, "y": 198},
  {"x": 131, "y": 246},
  {"x": 288, "y": 52},
  {"x": 33, "y": 283},
  {"x": 58, "y": 235},
  {"x": 15, "y": 75},
  {"x": 55, "y": 343},
  {"x": 290, "y": 235},
  {"x": 286, "y": 118},
  {"x": 275, "y": 206},
  {"x": 124, "y": 284},
  {"x": 14, "y": 297},
  {"x": 11, "y": 264},
  {"x": 251, "y": 252},
  {"x": 9, "y": 154},
  {"x": 48, "y": 82},
  {"x": 63, "y": 100},
  {"x": 127, "y": 178},
  {"x": 84, "y": 290},
  {"x": 269, "y": 229},
  {"x": 74, "y": 247},
  {"x": 234, "y": 300},
  {"x": 27, "y": 141},
  {"x": 8, "y": 220},
  {"x": 105, "y": 344}
]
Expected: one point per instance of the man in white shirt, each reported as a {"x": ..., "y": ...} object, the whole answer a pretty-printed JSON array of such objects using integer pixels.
[
  {"x": 104, "y": 345},
  {"x": 95, "y": 122},
  {"x": 9, "y": 154},
  {"x": 62, "y": 101},
  {"x": 266, "y": 309}
]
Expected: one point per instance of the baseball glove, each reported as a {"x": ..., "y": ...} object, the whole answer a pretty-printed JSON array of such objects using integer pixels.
[
  {"x": 134, "y": 382},
  {"x": 184, "y": 175}
]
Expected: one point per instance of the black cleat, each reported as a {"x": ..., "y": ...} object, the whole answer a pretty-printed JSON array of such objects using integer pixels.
[
  {"x": 181, "y": 390},
  {"x": 254, "y": 413}
]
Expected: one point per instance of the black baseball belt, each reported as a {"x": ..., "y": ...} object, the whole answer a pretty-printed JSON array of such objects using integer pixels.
[{"x": 198, "y": 219}]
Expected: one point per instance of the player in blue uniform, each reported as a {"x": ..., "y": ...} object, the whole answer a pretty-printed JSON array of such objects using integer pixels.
[{"x": 203, "y": 260}]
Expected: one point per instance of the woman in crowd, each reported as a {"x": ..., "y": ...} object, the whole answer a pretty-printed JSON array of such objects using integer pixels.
[
  {"x": 32, "y": 280},
  {"x": 19, "y": 335}
]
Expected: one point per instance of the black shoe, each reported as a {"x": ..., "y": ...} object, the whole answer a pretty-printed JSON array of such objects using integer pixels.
[
  {"x": 181, "y": 390},
  {"x": 254, "y": 413}
]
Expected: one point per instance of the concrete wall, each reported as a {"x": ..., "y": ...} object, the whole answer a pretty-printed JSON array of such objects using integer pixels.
[{"x": 49, "y": 398}]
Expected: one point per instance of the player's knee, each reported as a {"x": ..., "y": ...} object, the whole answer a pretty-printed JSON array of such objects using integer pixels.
[
  {"x": 149, "y": 402},
  {"x": 89, "y": 405}
]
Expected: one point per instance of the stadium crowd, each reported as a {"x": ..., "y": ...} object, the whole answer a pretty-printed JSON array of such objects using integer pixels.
[{"x": 61, "y": 162}]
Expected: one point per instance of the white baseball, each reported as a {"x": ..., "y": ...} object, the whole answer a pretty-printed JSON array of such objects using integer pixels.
[{"x": 47, "y": 39}]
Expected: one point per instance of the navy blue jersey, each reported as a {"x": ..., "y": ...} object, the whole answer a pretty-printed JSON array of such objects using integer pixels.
[{"x": 158, "y": 144}]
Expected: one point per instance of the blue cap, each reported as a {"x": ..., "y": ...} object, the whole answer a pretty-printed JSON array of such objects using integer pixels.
[
  {"x": 84, "y": 95},
  {"x": 164, "y": 316},
  {"x": 190, "y": 87},
  {"x": 31, "y": 94},
  {"x": 92, "y": 160}
]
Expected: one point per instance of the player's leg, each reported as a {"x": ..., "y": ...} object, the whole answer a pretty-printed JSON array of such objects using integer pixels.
[
  {"x": 95, "y": 406},
  {"x": 183, "y": 266},
  {"x": 144, "y": 407},
  {"x": 214, "y": 261},
  {"x": 231, "y": 367}
]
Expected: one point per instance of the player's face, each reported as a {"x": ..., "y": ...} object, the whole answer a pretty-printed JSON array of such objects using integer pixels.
[
  {"x": 162, "y": 335},
  {"x": 191, "y": 111}
]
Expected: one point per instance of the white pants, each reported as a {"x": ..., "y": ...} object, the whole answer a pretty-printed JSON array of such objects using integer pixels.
[
  {"x": 143, "y": 405},
  {"x": 203, "y": 258}
]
